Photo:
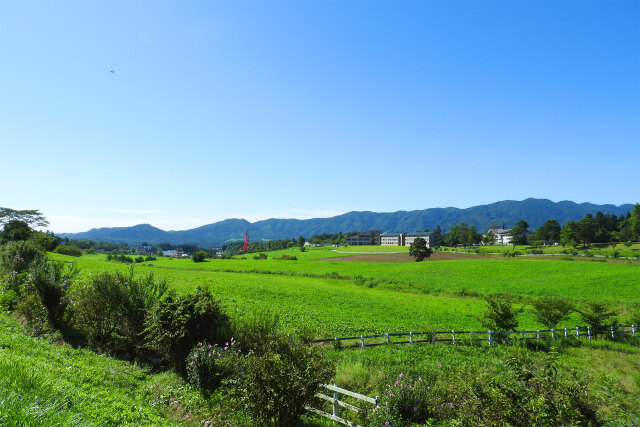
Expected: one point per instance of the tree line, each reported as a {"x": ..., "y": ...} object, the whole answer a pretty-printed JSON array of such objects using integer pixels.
[{"x": 598, "y": 228}]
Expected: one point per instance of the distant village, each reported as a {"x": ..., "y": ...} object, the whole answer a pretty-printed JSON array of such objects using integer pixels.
[{"x": 376, "y": 237}]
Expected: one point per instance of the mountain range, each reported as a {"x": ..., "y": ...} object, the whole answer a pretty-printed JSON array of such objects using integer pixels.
[{"x": 504, "y": 213}]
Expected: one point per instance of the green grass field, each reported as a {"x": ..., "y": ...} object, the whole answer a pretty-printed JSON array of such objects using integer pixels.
[
  {"x": 335, "y": 297},
  {"x": 331, "y": 294}
]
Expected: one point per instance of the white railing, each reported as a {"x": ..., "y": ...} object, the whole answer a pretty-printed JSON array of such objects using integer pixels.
[
  {"x": 454, "y": 336},
  {"x": 337, "y": 404}
]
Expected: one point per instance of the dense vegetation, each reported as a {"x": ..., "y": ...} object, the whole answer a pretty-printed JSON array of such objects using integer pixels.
[{"x": 178, "y": 318}]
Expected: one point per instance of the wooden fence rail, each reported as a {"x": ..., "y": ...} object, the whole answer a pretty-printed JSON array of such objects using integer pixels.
[
  {"x": 337, "y": 403},
  {"x": 483, "y": 336}
]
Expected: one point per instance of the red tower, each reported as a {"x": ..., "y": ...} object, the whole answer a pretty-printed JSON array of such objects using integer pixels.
[{"x": 246, "y": 241}]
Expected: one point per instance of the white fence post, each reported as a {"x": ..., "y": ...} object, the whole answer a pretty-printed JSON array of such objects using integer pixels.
[
  {"x": 553, "y": 335},
  {"x": 589, "y": 332},
  {"x": 489, "y": 332},
  {"x": 335, "y": 401},
  {"x": 537, "y": 335},
  {"x": 411, "y": 337},
  {"x": 612, "y": 335},
  {"x": 362, "y": 338},
  {"x": 453, "y": 334},
  {"x": 387, "y": 337},
  {"x": 578, "y": 332},
  {"x": 565, "y": 334},
  {"x": 633, "y": 330}
]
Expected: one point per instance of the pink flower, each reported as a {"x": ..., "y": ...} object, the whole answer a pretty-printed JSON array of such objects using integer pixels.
[
  {"x": 419, "y": 378},
  {"x": 415, "y": 409},
  {"x": 401, "y": 375},
  {"x": 386, "y": 423},
  {"x": 450, "y": 405},
  {"x": 439, "y": 365}
]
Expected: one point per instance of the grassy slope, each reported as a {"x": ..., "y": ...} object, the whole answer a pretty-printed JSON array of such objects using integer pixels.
[{"x": 45, "y": 385}]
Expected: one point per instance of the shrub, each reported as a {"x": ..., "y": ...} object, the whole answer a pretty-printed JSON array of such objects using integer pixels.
[
  {"x": 111, "y": 309},
  {"x": 598, "y": 316},
  {"x": 551, "y": 310},
  {"x": 68, "y": 250},
  {"x": 524, "y": 390},
  {"x": 500, "y": 314},
  {"x": 261, "y": 255},
  {"x": 18, "y": 256},
  {"x": 287, "y": 257},
  {"x": 278, "y": 378},
  {"x": 149, "y": 258},
  {"x": 208, "y": 365},
  {"x": 404, "y": 402},
  {"x": 198, "y": 256},
  {"x": 178, "y": 322},
  {"x": 48, "y": 286}
]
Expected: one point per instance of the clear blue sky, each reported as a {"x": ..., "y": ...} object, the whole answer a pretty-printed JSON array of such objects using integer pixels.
[{"x": 301, "y": 109}]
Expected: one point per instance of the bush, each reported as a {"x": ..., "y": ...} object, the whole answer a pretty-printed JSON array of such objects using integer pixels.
[
  {"x": 551, "y": 310},
  {"x": 111, "y": 308},
  {"x": 178, "y": 322},
  {"x": 524, "y": 390},
  {"x": 18, "y": 256},
  {"x": 139, "y": 259},
  {"x": 287, "y": 257},
  {"x": 404, "y": 402},
  {"x": 261, "y": 255},
  {"x": 500, "y": 314},
  {"x": 597, "y": 315},
  {"x": 48, "y": 287},
  {"x": 198, "y": 256},
  {"x": 149, "y": 258},
  {"x": 278, "y": 378},
  {"x": 68, "y": 250},
  {"x": 208, "y": 365}
]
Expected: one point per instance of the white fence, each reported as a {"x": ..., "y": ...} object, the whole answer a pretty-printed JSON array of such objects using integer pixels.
[
  {"x": 337, "y": 404},
  {"x": 482, "y": 336}
]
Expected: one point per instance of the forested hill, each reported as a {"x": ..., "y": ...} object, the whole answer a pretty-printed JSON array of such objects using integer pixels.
[{"x": 507, "y": 213}]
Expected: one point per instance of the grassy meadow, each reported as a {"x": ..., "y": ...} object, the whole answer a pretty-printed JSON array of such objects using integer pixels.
[
  {"x": 332, "y": 294},
  {"x": 325, "y": 292}
]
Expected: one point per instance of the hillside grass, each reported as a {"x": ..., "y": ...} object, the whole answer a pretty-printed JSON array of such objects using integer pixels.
[{"x": 44, "y": 384}]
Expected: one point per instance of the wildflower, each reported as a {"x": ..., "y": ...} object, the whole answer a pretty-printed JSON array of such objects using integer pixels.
[
  {"x": 397, "y": 383},
  {"x": 415, "y": 409},
  {"x": 401, "y": 375},
  {"x": 419, "y": 378},
  {"x": 439, "y": 365},
  {"x": 386, "y": 423},
  {"x": 450, "y": 405},
  {"x": 195, "y": 355}
]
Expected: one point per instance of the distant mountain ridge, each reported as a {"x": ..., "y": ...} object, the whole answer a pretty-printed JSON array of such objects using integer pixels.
[{"x": 507, "y": 212}]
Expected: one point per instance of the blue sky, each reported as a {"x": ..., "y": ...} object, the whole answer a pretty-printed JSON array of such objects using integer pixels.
[{"x": 303, "y": 108}]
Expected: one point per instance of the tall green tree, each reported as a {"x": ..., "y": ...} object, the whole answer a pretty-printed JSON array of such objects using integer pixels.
[
  {"x": 419, "y": 250},
  {"x": 549, "y": 232},
  {"x": 32, "y": 217},
  {"x": 570, "y": 234},
  {"x": 519, "y": 233},
  {"x": 635, "y": 222}
]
